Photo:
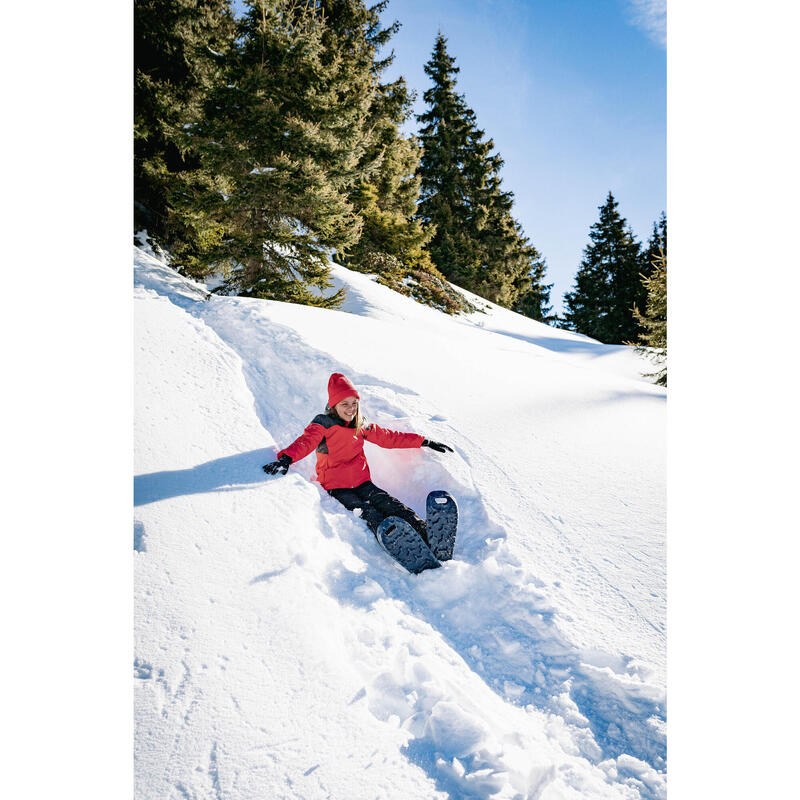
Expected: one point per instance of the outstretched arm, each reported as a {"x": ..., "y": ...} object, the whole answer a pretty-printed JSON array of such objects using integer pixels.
[
  {"x": 299, "y": 448},
  {"x": 383, "y": 437}
]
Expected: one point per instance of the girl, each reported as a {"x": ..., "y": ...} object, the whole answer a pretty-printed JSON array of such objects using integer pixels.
[{"x": 338, "y": 436}]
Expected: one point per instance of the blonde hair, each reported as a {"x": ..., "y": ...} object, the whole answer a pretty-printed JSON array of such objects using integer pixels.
[{"x": 361, "y": 423}]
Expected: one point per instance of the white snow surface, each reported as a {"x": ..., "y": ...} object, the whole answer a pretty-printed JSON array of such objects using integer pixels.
[{"x": 279, "y": 653}]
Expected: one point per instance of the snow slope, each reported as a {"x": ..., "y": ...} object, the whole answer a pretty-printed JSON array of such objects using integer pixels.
[{"x": 280, "y": 653}]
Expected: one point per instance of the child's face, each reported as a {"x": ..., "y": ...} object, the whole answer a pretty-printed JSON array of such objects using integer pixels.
[{"x": 347, "y": 408}]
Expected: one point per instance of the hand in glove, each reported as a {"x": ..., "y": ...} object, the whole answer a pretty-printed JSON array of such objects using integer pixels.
[
  {"x": 437, "y": 446},
  {"x": 281, "y": 465}
]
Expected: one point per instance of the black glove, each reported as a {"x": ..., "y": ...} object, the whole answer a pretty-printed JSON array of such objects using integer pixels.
[
  {"x": 437, "y": 446},
  {"x": 281, "y": 465}
]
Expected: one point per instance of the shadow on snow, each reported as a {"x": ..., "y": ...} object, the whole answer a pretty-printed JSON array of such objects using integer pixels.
[{"x": 231, "y": 473}]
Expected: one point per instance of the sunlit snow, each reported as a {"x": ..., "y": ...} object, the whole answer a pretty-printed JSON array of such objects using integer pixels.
[{"x": 280, "y": 653}]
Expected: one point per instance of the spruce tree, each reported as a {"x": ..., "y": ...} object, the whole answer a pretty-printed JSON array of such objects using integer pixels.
[
  {"x": 655, "y": 246},
  {"x": 607, "y": 283},
  {"x": 511, "y": 266},
  {"x": 448, "y": 171},
  {"x": 392, "y": 239},
  {"x": 178, "y": 54},
  {"x": 281, "y": 142},
  {"x": 534, "y": 299},
  {"x": 477, "y": 244}
]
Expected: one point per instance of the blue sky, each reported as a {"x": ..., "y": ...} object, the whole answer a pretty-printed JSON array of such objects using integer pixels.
[{"x": 573, "y": 93}]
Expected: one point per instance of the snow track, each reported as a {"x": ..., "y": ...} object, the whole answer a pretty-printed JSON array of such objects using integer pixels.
[{"x": 471, "y": 675}]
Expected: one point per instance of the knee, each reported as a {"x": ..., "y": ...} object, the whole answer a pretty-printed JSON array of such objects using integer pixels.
[{"x": 383, "y": 500}]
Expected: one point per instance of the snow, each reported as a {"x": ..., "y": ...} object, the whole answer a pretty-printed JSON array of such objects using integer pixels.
[{"x": 280, "y": 653}]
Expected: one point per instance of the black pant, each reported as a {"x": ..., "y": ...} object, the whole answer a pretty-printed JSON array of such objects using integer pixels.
[{"x": 376, "y": 505}]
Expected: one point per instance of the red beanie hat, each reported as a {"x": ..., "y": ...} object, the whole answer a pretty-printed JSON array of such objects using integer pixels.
[{"x": 340, "y": 387}]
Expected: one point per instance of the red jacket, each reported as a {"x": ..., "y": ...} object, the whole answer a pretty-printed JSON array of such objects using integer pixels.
[{"x": 341, "y": 463}]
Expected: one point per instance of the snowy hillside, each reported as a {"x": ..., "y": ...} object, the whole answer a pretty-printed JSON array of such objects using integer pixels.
[{"x": 281, "y": 654}]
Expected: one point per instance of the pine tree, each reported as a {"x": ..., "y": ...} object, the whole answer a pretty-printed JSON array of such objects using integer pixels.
[
  {"x": 534, "y": 300},
  {"x": 281, "y": 142},
  {"x": 178, "y": 47},
  {"x": 607, "y": 283},
  {"x": 447, "y": 170},
  {"x": 656, "y": 245},
  {"x": 653, "y": 338},
  {"x": 392, "y": 240},
  {"x": 478, "y": 244},
  {"x": 511, "y": 265}
]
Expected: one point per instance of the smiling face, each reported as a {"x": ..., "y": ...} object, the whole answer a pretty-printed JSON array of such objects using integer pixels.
[{"x": 347, "y": 408}]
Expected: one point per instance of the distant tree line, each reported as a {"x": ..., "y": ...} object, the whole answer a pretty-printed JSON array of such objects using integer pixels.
[
  {"x": 620, "y": 290},
  {"x": 269, "y": 143}
]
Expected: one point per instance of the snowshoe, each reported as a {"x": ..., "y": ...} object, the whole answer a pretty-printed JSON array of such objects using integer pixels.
[
  {"x": 442, "y": 514},
  {"x": 399, "y": 539}
]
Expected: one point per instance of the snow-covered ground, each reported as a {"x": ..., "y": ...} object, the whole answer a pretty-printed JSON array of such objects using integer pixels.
[{"x": 281, "y": 654}]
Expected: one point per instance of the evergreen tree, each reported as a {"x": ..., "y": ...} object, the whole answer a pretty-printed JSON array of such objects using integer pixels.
[
  {"x": 392, "y": 240},
  {"x": 653, "y": 338},
  {"x": 477, "y": 244},
  {"x": 178, "y": 47},
  {"x": 450, "y": 148},
  {"x": 607, "y": 283},
  {"x": 534, "y": 300},
  {"x": 511, "y": 266},
  {"x": 281, "y": 142},
  {"x": 656, "y": 245}
]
